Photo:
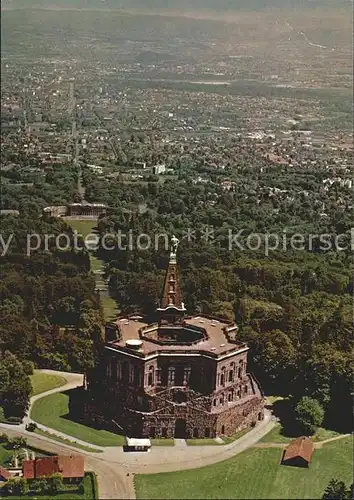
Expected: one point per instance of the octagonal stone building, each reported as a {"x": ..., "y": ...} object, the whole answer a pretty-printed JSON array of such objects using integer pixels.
[{"x": 182, "y": 377}]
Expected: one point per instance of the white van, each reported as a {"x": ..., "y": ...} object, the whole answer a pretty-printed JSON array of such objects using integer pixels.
[{"x": 137, "y": 444}]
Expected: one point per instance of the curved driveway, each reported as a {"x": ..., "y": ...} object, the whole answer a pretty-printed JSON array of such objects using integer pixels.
[{"x": 115, "y": 468}]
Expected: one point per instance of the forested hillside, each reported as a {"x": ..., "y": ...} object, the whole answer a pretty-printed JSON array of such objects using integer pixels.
[{"x": 293, "y": 306}]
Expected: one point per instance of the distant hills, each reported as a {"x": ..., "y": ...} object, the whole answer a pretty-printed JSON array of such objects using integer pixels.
[{"x": 187, "y": 5}]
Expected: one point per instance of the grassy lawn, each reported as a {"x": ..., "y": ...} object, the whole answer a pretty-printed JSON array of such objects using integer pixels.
[
  {"x": 237, "y": 435},
  {"x": 66, "y": 441},
  {"x": 211, "y": 441},
  {"x": 110, "y": 308},
  {"x": 52, "y": 411},
  {"x": 287, "y": 429},
  {"x": 278, "y": 435},
  {"x": 83, "y": 226},
  {"x": 5, "y": 455},
  {"x": 255, "y": 473},
  {"x": 42, "y": 382},
  {"x": 96, "y": 264},
  {"x": 322, "y": 434},
  {"x": 272, "y": 399},
  {"x": 201, "y": 442},
  {"x": 162, "y": 442}
]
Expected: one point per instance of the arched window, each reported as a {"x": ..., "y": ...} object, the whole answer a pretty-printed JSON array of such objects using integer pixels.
[
  {"x": 222, "y": 377},
  {"x": 125, "y": 371},
  {"x": 231, "y": 376},
  {"x": 171, "y": 375},
  {"x": 137, "y": 375},
  {"x": 172, "y": 277},
  {"x": 151, "y": 376},
  {"x": 187, "y": 374},
  {"x": 131, "y": 373}
]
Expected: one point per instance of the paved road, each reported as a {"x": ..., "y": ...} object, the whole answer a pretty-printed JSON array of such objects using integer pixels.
[
  {"x": 113, "y": 482},
  {"x": 115, "y": 468}
]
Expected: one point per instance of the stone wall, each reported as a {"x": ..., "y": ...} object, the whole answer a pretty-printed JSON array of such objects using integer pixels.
[{"x": 194, "y": 397}]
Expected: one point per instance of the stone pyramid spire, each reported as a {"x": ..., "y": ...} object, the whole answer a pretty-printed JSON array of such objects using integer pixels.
[{"x": 171, "y": 308}]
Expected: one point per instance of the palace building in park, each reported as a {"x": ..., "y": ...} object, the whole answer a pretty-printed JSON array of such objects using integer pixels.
[{"x": 183, "y": 376}]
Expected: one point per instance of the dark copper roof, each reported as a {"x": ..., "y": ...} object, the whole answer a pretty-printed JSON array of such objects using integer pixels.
[{"x": 215, "y": 343}]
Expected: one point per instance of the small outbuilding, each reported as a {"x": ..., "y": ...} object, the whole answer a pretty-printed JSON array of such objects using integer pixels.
[
  {"x": 137, "y": 444},
  {"x": 299, "y": 452},
  {"x": 4, "y": 474}
]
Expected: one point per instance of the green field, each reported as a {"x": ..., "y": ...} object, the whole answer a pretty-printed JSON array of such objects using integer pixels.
[
  {"x": 66, "y": 441},
  {"x": 5, "y": 455},
  {"x": 162, "y": 442},
  {"x": 82, "y": 226},
  {"x": 237, "y": 435},
  {"x": 110, "y": 308},
  {"x": 202, "y": 442},
  {"x": 42, "y": 382},
  {"x": 278, "y": 435},
  {"x": 255, "y": 473},
  {"x": 52, "y": 411},
  {"x": 85, "y": 227},
  {"x": 212, "y": 442},
  {"x": 96, "y": 264}
]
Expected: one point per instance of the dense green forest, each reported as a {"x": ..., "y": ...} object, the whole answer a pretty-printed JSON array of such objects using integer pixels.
[
  {"x": 49, "y": 311},
  {"x": 293, "y": 307},
  {"x": 50, "y": 314}
]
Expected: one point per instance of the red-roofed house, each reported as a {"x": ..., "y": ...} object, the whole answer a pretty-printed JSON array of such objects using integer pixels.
[
  {"x": 299, "y": 452},
  {"x": 46, "y": 466},
  {"x": 28, "y": 469},
  {"x": 4, "y": 474},
  {"x": 69, "y": 466}
]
